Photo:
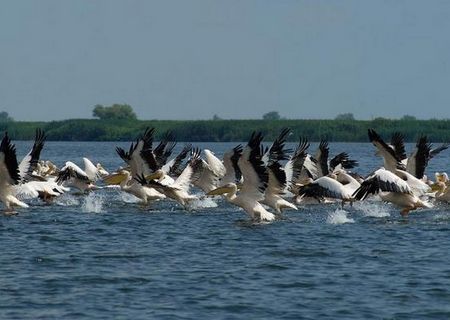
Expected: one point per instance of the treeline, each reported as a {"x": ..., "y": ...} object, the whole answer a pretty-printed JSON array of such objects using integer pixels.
[{"x": 228, "y": 130}]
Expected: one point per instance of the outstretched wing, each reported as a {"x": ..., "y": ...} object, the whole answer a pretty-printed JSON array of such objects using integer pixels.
[
  {"x": 253, "y": 170},
  {"x": 381, "y": 180},
  {"x": 391, "y": 161},
  {"x": 29, "y": 162},
  {"x": 9, "y": 169}
]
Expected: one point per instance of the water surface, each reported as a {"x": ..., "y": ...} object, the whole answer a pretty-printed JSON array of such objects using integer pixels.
[{"x": 104, "y": 256}]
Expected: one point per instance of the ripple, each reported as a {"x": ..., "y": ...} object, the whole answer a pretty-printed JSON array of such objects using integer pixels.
[{"x": 161, "y": 262}]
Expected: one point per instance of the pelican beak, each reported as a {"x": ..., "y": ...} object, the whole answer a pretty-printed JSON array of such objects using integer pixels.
[
  {"x": 115, "y": 178},
  {"x": 154, "y": 176},
  {"x": 219, "y": 191},
  {"x": 437, "y": 187}
]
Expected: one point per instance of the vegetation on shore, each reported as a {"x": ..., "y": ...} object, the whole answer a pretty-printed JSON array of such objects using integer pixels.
[
  {"x": 228, "y": 130},
  {"x": 118, "y": 122}
]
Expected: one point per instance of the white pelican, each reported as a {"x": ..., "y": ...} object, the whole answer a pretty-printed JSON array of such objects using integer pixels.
[
  {"x": 341, "y": 160},
  {"x": 417, "y": 162},
  {"x": 211, "y": 171},
  {"x": 9, "y": 174},
  {"x": 391, "y": 188},
  {"x": 348, "y": 181},
  {"x": 255, "y": 182},
  {"x": 30, "y": 161},
  {"x": 73, "y": 176},
  {"x": 230, "y": 161},
  {"x": 46, "y": 168},
  {"x": 391, "y": 159},
  {"x": 300, "y": 167},
  {"x": 442, "y": 187},
  {"x": 164, "y": 149},
  {"x": 175, "y": 166},
  {"x": 179, "y": 189},
  {"x": 45, "y": 190},
  {"x": 326, "y": 187},
  {"x": 130, "y": 185},
  {"x": 31, "y": 184},
  {"x": 94, "y": 172},
  {"x": 394, "y": 155},
  {"x": 140, "y": 156},
  {"x": 422, "y": 154},
  {"x": 277, "y": 182}
]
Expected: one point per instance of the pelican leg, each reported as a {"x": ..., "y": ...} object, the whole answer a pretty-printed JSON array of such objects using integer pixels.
[{"x": 405, "y": 212}]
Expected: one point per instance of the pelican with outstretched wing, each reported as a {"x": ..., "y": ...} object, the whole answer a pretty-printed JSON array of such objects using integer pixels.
[
  {"x": 9, "y": 175},
  {"x": 391, "y": 188},
  {"x": 179, "y": 189},
  {"x": 255, "y": 182}
]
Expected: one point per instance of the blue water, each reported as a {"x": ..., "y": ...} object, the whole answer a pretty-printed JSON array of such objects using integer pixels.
[{"x": 100, "y": 257}]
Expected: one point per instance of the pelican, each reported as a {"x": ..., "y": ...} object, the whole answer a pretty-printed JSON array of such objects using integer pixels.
[
  {"x": 46, "y": 168},
  {"x": 30, "y": 161},
  {"x": 392, "y": 160},
  {"x": 175, "y": 166},
  {"x": 442, "y": 187},
  {"x": 179, "y": 189},
  {"x": 45, "y": 190},
  {"x": 340, "y": 161},
  {"x": 31, "y": 184},
  {"x": 255, "y": 182},
  {"x": 391, "y": 188},
  {"x": 140, "y": 156},
  {"x": 277, "y": 180},
  {"x": 94, "y": 172},
  {"x": 164, "y": 149},
  {"x": 73, "y": 176},
  {"x": 131, "y": 186},
  {"x": 417, "y": 162},
  {"x": 230, "y": 161},
  {"x": 211, "y": 171},
  {"x": 300, "y": 167},
  {"x": 9, "y": 174},
  {"x": 326, "y": 187}
]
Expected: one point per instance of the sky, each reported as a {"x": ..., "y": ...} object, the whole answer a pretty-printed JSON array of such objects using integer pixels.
[{"x": 237, "y": 59}]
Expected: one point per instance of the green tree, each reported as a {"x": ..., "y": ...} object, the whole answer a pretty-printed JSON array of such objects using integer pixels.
[
  {"x": 407, "y": 117},
  {"x": 4, "y": 117},
  {"x": 114, "y": 112},
  {"x": 272, "y": 115},
  {"x": 345, "y": 116}
]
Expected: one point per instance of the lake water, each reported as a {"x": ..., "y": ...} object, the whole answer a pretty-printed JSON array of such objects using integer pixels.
[{"x": 104, "y": 257}]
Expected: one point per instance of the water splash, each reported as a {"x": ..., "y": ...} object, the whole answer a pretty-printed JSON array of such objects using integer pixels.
[
  {"x": 128, "y": 197},
  {"x": 376, "y": 210},
  {"x": 441, "y": 217},
  {"x": 339, "y": 216},
  {"x": 67, "y": 200},
  {"x": 202, "y": 203},
  {"x": 93, "y": 203}
]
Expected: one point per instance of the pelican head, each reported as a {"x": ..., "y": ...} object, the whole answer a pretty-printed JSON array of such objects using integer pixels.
[
  {"x": 101, "y": 171},
  {"x": 441, "y": 177}
]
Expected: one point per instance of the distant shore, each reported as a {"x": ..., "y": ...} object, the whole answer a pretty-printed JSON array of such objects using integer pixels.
[{"x": 228, "y": 130}]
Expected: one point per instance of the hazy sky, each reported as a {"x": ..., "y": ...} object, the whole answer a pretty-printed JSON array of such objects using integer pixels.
[{"x": 234, "y": 58}]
